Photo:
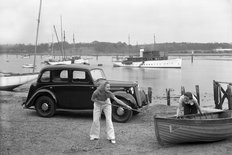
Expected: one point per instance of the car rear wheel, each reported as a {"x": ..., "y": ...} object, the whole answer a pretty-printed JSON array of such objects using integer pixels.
[
  {"x": 45, "y": 106},
  {"x": 119, "y": 113}
]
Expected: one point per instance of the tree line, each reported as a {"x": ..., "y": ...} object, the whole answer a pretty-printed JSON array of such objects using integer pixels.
[{"x": 106, "y": 48}]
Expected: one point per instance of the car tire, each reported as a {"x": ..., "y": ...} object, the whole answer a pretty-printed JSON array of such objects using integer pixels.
[
  {"x": 45, "y": 106},
  {"x": 119, "y": 113}
]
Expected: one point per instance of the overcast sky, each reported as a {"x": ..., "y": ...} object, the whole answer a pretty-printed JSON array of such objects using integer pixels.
[{"x": 199, "y": 21}]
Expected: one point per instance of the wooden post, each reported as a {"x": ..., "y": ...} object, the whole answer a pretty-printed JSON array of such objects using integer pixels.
[
  {"x": 192, "y": 56},
  {"x": 149, "y": 93},
  {"x": 215, "y": 93},
  {"x": 220, "y": 97},
  {"x": 182, "y": 90},
  {"x": 117, "y": 58},
  {"x": 168, "y": 96},
  {"x": 229, "y": 92},
  {"x": 198, "y": 93}
]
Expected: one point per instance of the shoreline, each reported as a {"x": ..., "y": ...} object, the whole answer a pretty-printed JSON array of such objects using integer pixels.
[{"x": 23, "y": 132}]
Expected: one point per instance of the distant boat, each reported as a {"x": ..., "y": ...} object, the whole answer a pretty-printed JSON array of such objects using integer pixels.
[
  {"x": 9, "y": 81},
  {"x": 28, "y": 66},
  {"x": 72, "y": 60},
  {"x": 209, "y": 127},
  {"x": 149, "y": 59},
  {"x": 26, "y": 56}
]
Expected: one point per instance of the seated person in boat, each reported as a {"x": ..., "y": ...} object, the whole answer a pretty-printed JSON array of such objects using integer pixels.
[{"x": 189, "y": 104}]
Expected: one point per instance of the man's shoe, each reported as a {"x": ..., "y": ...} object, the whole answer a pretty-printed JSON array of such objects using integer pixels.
[
  {"x": 93, "y": 139},
  {"x": 113, "y": 141}
]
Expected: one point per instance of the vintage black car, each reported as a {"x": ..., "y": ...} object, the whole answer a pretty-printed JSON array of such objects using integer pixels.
[{"x": 71, "y": 87}]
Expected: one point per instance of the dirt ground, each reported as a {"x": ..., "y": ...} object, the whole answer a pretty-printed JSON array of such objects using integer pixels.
[{"x": 22, "y": 132}]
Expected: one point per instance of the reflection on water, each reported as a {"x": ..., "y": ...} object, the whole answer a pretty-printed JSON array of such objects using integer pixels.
[{"x": 201, "y": 72}]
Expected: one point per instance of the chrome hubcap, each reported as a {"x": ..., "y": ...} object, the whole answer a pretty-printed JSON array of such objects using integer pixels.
[
  {"x": 44, "y": 106},
  {"x": 120, "y": 111}
]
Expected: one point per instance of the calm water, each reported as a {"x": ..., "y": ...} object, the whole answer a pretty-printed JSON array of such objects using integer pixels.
[{"x": 201, "y": 72}]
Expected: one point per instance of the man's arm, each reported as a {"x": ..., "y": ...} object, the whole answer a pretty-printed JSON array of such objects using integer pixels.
[
  {"x": 196, "y": 103},
  {"x": 179, "y": 106},
  {"x": 198, "y": 107}
]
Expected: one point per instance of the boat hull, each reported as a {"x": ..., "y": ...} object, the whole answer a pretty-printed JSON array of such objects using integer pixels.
[
  {"x": 28, "y": 66},
  {"x": 172, "y": 63},
  {"x": 11, "y": 81},
  {"x": 133, "y": 64},
  {"x": 59, "y": 62},
  {"x": 207, "y": 128},
  {"x": 78, "y": 61}
]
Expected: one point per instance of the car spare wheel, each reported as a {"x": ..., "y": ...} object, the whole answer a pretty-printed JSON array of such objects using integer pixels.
[
  {"x": 119, "y": 113},
  {"x": 45, "y": 106}
]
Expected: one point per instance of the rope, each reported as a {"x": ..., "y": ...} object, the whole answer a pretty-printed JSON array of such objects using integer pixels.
[{"x": 127, "y": 108}]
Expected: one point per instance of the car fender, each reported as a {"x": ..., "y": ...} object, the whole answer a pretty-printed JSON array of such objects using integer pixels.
[
  {"x": 127, "y": 96},
  {"x": 30, "y": 102}
]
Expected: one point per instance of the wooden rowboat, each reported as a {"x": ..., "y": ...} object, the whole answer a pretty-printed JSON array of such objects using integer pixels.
[{"x": 207, "y": 127}]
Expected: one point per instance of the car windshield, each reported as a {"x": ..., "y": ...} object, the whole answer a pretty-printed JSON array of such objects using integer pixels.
[{"x": 97, "y": 74}]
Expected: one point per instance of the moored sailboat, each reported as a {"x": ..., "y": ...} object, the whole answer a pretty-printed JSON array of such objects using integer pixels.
[
  {"x": 65, "y": 60},
  {"x": 72, "y": 60},
  {"x": 9, "y": 81}
]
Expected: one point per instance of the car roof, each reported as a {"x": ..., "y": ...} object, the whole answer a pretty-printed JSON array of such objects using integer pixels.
[{"x": 71, "y": 66}]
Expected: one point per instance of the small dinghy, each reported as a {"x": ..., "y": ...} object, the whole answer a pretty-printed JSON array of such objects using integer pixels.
[{"x": 208, "y": 127}]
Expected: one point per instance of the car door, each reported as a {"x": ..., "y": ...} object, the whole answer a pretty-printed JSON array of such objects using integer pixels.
[
  {"x": 60, "y": 85},
  {"x": 81, "y": 90}
]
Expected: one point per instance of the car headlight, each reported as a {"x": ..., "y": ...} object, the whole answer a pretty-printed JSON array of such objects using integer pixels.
[{"x": 132, "y": 90}]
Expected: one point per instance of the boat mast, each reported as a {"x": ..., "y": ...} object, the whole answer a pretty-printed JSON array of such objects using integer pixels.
[
  {"x": 58, "y": 40},
  {"x": 74, "y": 47},
  {"x": 154, "y": 43},
  {"x": 61, "y": 33},
  {"x": 52, "y": 46},
  {"x": 129, "y": 43},
  {"x": 63, "y": 46},
  {"x": 37, "y": 33}
]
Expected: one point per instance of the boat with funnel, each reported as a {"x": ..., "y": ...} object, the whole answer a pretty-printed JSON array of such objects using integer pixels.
[{"x": 150, "y": 59}]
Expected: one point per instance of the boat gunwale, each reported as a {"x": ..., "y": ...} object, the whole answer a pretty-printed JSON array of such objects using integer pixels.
[
  {"x": 18, "y": 74},
  {"x": 193, "y": 122}
]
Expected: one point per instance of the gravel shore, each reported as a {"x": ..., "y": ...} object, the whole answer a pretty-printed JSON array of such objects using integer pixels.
[{"x": 22, "y": 132}]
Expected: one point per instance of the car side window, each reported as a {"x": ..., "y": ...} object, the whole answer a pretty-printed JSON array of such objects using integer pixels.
[
  {"x": 60, "y": 76},
  {"x": 45, "y": 76},
  {"x": 79, "y": 77}
]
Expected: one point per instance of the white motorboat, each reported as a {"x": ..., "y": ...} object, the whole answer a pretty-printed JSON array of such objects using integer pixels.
[{"x": 150, "y": 59}]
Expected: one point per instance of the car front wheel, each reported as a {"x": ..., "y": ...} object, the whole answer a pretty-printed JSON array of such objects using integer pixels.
[
  {"x": 45, "y": 106},
  {"x": 119, "y": 113}
]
